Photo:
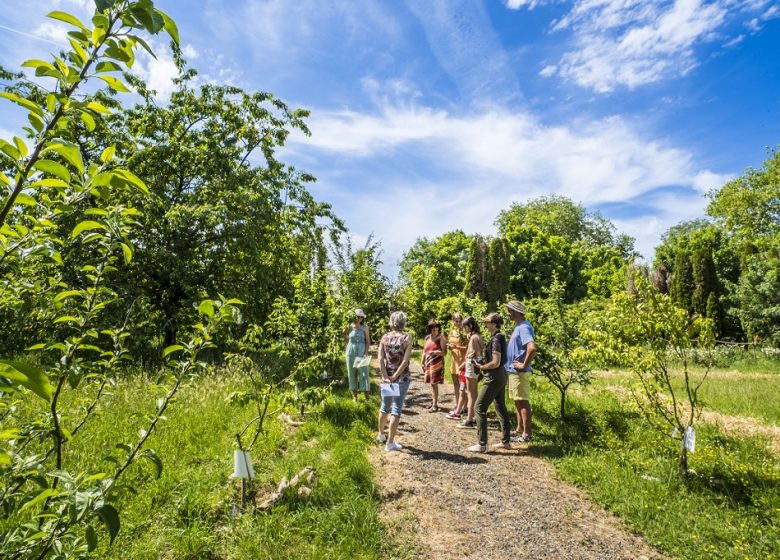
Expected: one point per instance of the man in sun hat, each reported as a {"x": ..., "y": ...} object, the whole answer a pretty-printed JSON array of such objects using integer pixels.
[{"x": 520, "y": 350}]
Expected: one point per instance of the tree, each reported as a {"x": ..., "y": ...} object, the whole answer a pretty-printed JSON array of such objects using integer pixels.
[
  {"x": 566, "y": 350},
  {"x": 748, "y": 208},
  {"x": 477, "y": 269},
  {"x": 651, "y": 335},
  {"x": 681, "y": 290},
  {"x": 704, "y": 280},
  {"x": 498, "y": 273},
  {"x": 62, "y": 204}
]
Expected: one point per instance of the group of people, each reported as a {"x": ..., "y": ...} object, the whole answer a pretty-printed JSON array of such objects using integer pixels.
[{"x": 480, "y": 372}]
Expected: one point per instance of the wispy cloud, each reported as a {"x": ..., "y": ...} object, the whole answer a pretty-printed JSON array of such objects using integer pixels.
[
  {"x": 466, "y": 46},
  {"x": 631, "y": 43},
  {"x": 478, "y": 163}
]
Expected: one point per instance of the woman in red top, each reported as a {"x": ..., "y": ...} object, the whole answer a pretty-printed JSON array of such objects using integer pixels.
[{"x": 434, "y": 349}]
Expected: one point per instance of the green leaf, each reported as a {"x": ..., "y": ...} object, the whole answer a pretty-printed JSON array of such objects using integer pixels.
[
  {"x": 5, "y": 459},
  {"x": 133, "y": 179},
  {"x": 206, "y": 307},
  {"x": 127, "y": 251},
  {"x": 114, "y": 83},
  {"x": 27, "y": 376},
  {"x": 66, "y": 295},
  {"x": 87, "y": 225},
  {"x": 108, "y": 66},
  {"x": 53, "y": 168},
  {"x": 91, "y": 536},
  {"x": 170, "y": 26},
  {"x": 48, "y": 493},
  {"x": 36, "y": 63},
  {"x": 26, "y": 200},
  {"x": 36, "y": 121},
  {"x": 56, "y": 183},
  {"x": 110, "y": 518},
  {"x": 79, "y": 50},
  {"x": 151, "y": 455},
  {"x": 67, "y": 18},
  {"x": 108, "y": 154},
  {"x": 103, "y": 5},
  {"x": 26, "y": 103},
  {"x": 171, "y": 349},
  {"x": 88, "y": 120},
  {"x": 21, "y": 146},
  {"x": 98, "y": 107},
  {"x": 70, "y": 152}
]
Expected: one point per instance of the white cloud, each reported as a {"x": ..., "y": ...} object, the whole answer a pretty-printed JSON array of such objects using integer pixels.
[
  {"x": 157, "y": 73},
  {"x": 548, "y": 70},
  {"x": 631, "y": 43},
  {"x": 474, "y": 165},
  {"x": 189, "y": 52},
  {"x": 705, "y": 181},
  {"x": 51, "y": 31}
]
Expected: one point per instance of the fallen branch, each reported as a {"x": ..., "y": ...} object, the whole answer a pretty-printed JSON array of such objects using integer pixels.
[
  {"x": 308, "y": 475},
  {"x": 284, "y": 417}
]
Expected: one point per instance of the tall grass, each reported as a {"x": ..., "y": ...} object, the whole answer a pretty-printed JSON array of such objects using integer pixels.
[{"x": 192, "y": 512}]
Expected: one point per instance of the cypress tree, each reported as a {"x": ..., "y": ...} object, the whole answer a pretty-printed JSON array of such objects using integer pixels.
[
  {"x": 704, "y": 280},
  {"x": 681, "y": 289},
  {"x": 715, "y": 313},
  {"x": 476, "y": 269},
  {"x": 498, "y": 271}
]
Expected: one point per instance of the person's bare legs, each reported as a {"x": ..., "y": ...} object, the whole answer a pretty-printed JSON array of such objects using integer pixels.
[
  {"x": 382, "y": 422},
  {"x": 394, "y": 421},
  {"x": 524, "y": 410},
  {"x": 518, "y": 407},
  {"x": 472, "y": 385},
  {"x": 456, "y": 390},
  {"x": 435, "y": 395},
  {"x": 366, "y": 395}
]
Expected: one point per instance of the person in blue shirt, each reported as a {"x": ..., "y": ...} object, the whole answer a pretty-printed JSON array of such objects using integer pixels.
[{"x": 520, "y": 352}]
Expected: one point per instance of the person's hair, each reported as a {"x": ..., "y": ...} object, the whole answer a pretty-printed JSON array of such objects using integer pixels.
[
  {"x": 397, "y": 320},
  {"x": 432, "y": 324},
  {"x": 471, "y": 323},
  {"x": 457, "y": 318}
]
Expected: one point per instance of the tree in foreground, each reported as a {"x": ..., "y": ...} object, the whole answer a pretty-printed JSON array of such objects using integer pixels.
[
  {"x": 57, "y": 204},
  {"x": 657, "y": 340}
]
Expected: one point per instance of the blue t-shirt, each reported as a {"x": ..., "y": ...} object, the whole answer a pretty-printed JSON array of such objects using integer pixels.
[{"x": 517, "y": 346}]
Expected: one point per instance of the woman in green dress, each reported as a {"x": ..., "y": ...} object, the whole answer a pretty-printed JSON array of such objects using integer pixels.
[{"x": 359, "y": 340}]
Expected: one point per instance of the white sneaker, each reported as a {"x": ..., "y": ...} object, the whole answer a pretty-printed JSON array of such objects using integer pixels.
[
  {"x": 381, "y": 438},
  {"x": 393, "y": 447},
  {"x": 478, "y": 448},
  {"x": 501, "y": 446}
]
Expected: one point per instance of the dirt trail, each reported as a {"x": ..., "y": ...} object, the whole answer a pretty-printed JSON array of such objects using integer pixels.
[{"x": 503, "y": 505}]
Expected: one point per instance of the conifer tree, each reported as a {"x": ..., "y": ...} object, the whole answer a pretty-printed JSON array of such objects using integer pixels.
[
  {"x": 476, "y": 269},
  {"x": 705, "y": 281},
  {"x": 681, "y": 289}
]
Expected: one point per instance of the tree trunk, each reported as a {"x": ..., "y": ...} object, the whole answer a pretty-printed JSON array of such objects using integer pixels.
[
  {"x": 684, "y": 459},
  {"x": 563, "y": 404}
]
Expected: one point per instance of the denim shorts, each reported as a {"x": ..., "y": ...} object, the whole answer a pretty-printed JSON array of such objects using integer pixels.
[{"x": 394, "y": 405}]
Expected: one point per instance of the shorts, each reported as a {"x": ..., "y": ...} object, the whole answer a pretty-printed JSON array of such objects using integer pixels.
[
  {"x": 471, "y": 371},
  {"x": 395, "y": 405},
  {"x": 520, "y": 386},
  {"x": 463, "y": 387}
]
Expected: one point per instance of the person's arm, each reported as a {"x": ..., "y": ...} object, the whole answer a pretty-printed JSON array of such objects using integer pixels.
[
  {"x": 530, "y": 350},
  {"x": 382, "y": 361},
  {"x": 345, "y": 332},
  {"x": 443, "y": 345},
  {"x": 495, "y": 358},
  {"x": 404, "y": 365},
  {"x": 368, "y": 338}
]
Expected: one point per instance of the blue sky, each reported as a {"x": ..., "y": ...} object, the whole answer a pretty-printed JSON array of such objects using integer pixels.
[{"x": 432, "y": 115}]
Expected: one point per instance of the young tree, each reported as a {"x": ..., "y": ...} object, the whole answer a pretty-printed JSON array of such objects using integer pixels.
[
  {"x": 656, "y": 339},
  {"x": 566, "y": 349},
  {"x": 681, "y": 290}
]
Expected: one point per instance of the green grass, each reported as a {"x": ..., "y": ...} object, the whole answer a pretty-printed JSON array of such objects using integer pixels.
[
  {"x": 728, "y": 508},
  {"x": 189, "y": 513},
  {"x": 750, "y": 394}
]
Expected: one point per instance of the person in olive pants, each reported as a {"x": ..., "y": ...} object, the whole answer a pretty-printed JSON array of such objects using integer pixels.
[{"x": 493, "y": 385}]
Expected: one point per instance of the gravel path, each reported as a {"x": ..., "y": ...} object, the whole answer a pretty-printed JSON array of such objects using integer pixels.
[{"x": 502, "y": 505}]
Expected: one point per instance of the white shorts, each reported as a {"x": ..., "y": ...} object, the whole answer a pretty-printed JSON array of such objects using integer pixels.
[{"x": 471, "y": 371}]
